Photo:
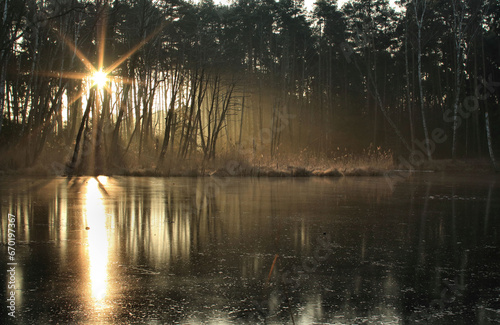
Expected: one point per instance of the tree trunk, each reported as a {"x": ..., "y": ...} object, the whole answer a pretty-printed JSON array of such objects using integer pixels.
[
  {"x": 74, "y": 159},
  {"x": 408, "y": 93},
  {"x": 4, "y": 57},
  {"x": 419, "y": 68},
  {"x": 458, "y": 21},
  {"x": 490, "y": 145}
]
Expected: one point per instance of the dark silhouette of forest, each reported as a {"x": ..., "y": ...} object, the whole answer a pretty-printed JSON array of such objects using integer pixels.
[{"x": 255, "y": 82}]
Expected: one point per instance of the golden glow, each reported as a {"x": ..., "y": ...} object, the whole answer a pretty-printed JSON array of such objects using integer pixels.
[
  {"x": 103, "y": 179},
  {"x": 99, "y": 78},
  {"x": 95, "y": 218}
]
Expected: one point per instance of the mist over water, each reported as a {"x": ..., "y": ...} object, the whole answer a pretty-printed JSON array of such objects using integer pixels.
[{"x": 254, "y": 250}]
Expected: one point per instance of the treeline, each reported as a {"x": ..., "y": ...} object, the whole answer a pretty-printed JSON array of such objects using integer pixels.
[{"x": 254, "y": 78}]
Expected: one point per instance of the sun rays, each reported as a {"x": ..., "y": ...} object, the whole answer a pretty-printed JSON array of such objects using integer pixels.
[{"x": 99, "y": 76}]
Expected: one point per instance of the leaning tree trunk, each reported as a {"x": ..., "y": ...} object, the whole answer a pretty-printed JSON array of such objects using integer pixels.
[
  {"x": 169, "y": 120},
  {"x": 74, "y": 159}
]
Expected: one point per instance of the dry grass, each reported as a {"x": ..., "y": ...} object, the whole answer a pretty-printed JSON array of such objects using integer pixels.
[{"x": 371, "y": 162}]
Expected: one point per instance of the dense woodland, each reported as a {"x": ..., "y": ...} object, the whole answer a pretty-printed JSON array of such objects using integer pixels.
[{"x": 257, "y": 79}]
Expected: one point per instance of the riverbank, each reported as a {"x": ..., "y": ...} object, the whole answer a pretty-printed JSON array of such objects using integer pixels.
[{"x": 236, "y": 168}]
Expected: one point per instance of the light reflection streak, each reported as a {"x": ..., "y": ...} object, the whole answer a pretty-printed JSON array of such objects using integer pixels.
[{"x": 95, "y": 218}]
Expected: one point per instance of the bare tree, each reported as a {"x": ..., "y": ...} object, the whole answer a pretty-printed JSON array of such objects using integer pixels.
[
  {"x": 419, "y": 19},
  {"x": 458, "y": 28}
]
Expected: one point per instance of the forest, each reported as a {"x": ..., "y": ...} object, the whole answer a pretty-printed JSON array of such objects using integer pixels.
[{"x": 172, "y": 86}]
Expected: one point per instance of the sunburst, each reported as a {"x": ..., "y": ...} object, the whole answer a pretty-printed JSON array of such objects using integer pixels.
[{"x": 100, "y": 76}]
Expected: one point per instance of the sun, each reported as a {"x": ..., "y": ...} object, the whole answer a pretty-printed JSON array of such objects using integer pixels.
[{"x": 100, "y": 78}]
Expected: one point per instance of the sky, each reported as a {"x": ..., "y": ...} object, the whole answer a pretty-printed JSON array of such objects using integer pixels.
[{"x": 309, "y": 3}]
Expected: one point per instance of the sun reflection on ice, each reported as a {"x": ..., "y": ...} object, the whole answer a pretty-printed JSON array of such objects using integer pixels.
[{"x": 95, "y": 218}]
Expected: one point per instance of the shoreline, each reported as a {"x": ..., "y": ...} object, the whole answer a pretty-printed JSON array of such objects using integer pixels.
[{"x": 234, "y": 169}]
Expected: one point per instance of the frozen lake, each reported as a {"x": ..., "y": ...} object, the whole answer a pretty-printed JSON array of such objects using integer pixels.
[{"x": 128, "y": 250}]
